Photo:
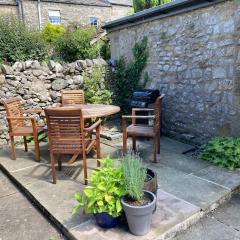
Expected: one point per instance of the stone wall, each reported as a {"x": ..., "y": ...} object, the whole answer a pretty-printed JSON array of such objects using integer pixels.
[
  {"x": 194, "y": 59},
  {"x": 39, "y": 85}
]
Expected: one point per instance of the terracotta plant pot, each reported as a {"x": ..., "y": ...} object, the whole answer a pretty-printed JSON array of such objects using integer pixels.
[{"x": 139, "y": 218}]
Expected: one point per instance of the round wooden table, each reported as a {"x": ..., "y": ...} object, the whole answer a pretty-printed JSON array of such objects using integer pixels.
[{"x": 93, "y": 110}]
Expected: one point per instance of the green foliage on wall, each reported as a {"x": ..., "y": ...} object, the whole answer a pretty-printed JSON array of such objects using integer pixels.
[
  {"x": 75, "y": 45},
  {"x": 19, "y": 43},
  {"x": 52, "y": 32},
  {"x": 95, "y": 87},
  {"x": 127, "y": 77},
  {"x": 140, "y": 5},
  {"x": 223, "y": 151}
]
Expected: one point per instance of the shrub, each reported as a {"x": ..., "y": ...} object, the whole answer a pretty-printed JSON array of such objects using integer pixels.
[
  {"x": 20, "y": 43},
  {"x": 127, "y": 76},
  {"x": 104, "y": 192},
  {"x": 52, "y": 32},
  {"x": 74, "y": 45},
  {"x": 95, "y": 88},
  {"x": 223, "y": 151},
  {"x": 134, "y": 175}
]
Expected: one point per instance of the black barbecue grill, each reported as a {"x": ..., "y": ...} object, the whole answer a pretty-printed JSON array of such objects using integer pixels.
[{"x": 144, "y": 98}]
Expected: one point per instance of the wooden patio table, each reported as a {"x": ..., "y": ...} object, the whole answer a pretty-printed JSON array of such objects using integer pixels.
[{"x": 92, "y": 110}]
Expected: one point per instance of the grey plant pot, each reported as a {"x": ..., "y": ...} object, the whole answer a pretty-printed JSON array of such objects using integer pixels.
[{"x": 139, "y": 218}]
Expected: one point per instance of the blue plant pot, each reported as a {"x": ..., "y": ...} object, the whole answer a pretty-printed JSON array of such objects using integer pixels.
[{"x": 105, "y": 220}]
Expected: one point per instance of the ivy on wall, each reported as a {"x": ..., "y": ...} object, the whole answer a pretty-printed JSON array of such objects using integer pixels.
[{"x": 127, "y": 76}]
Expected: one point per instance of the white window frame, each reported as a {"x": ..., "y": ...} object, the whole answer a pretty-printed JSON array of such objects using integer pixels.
[{"x": 53, "y": 13}]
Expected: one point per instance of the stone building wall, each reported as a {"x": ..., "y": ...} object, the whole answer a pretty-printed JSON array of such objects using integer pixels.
[
  {"x": 70, "y": 13},
  {"x": 40, "y": 85},
  {"x": 8, "y": 7},
  {"x": 194, "y": 59},
  {"x": 120, "y": 11}
]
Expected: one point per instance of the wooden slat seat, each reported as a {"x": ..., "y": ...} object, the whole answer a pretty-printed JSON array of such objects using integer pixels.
[
  {"x": 18, "y": 125},
  {"x": 26, "y": 131},
  {"x": 140, "y": 130}
]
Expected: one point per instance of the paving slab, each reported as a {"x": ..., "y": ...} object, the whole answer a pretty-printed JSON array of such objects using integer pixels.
[
  {"x": 224, "y": 177},
  {"x": 6, "y": 188},
  {"x": 58, "y": 199},
  {"x": 21, "y": 220},
  {"x": 209, "y": 229},
  {"x": 229, "y": 213},
  {"x": 189, "y": 187},
  {"x": 185, "y": 187},
  {"x": 170, "y": 212}
]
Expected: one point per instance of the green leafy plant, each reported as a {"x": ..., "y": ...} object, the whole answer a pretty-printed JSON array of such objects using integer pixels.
[
  {"x": 134, "y": 175},
  {"x": 140, "y": 5},
  {"x": 75, "y": 44},
  {"x": 19, "y": 42},
  {"x": 127, "y": 76},
  {"x": 104, "y": 193},
  {"x": 223, "y": 151},
  {"x": 95, "y": 87},
  {"x": 51, "y": 32}
]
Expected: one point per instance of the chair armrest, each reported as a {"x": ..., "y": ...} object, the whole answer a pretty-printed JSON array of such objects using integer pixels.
[
  {"x": 94, "y": 126},
  {"x": 138, "y": 117},
  {"x": 36, "y": 110},
  {"x": 33, "y": 120},
  {"x": 142, "y": 109},
  {"x": 20, "y": 118}
]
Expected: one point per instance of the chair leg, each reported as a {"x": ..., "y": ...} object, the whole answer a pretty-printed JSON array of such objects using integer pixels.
[
  {"x": 85, "y": 168},
  {"x": 124, "y": 136},
  {"x": 25, "y": 144},
  {"x": 155, "y": 140},
  {"x": 59, "y": 162},
  {"x": 158, "y": 144},
  {"x": 134, "y": 145},
  {"x": 53, "y": 168},
  {"x": 98, "y": 146},
  {"x": 37, "y": 149},
  {"x": 13, "y": 148}
]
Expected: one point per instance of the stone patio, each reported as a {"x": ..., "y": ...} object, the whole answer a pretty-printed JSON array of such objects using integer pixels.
[{"x": 188, "y": 188}]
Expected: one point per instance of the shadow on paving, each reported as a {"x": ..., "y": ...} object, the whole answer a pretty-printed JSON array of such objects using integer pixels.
[{"x": 186, "y": 186}]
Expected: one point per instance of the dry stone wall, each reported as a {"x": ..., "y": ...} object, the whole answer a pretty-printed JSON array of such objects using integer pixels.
[
  {"x": 194, "y": 58},
  {"x": 39, "y": 84}
]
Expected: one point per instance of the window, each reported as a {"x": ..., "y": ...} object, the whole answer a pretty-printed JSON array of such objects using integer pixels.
[
  {"x": 54, "y": 16},
  {"x": 94, "y": 21}
]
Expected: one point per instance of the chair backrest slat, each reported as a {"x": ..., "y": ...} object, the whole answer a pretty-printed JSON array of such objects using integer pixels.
[
  {"x": 72, "y": 97},
  {"x": 65, "y": 129},
  {"x": 14, "y": 108}
]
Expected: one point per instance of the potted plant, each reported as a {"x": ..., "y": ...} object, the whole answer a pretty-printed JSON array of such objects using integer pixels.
[
  {"x": 102, "y": 197},
  {"x": 138, "y": 204}
]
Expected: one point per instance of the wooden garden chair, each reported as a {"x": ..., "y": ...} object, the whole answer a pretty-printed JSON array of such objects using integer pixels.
[
  {"x": 67, "y": 135},
  {"x": 141, "y": 130},
  {"x": 18, "y": 125},
  {"x": 72, "y": 97}
]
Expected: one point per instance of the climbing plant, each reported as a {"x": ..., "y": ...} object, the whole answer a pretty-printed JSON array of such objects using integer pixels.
[{"x": 127, "y": 76}]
